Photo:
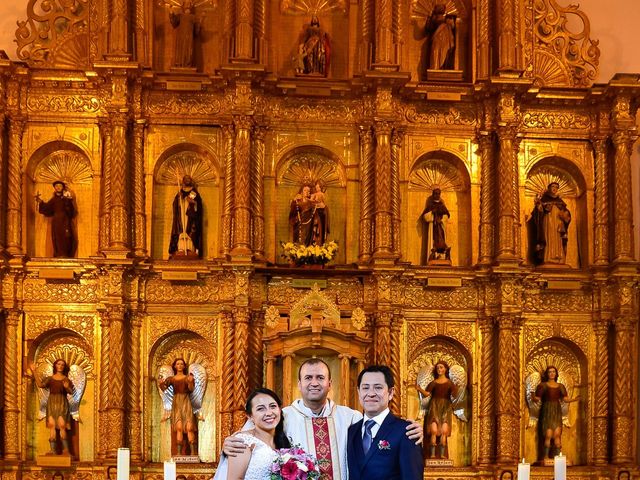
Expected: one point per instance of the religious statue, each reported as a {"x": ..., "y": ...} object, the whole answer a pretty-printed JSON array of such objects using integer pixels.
[
  {"x": 309, "y": 216},
  {"x": 321, "y": 222},
  {"x": 314, "y": 51},
  {"x": 187, "y": 26},
  {"x": 60, "y": 390},
  {"x": 549, "y": 225},
  {"x": 548, "y": 402},
  {"x": 441, "y": 30},
  {"x": 187, "y": 210},
  {"x": 62, "y": 209},
  {"x": 182, "y": 390},
  {"x": 442, "y": 391},
  {"x": 433, "y": 232}
]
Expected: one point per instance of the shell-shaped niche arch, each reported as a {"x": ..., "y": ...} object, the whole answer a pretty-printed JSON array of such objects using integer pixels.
[
  {"x": 309, "y": 164},
  {"x": 174, "y": 163},
  {"x": 447, "y": 172}
]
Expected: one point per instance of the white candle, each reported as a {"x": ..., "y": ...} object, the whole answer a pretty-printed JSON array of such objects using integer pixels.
[
  {"x": 170, "y": 470},
  {"x": 560, "y": 467},
  {"x": 524, "y": 470},
  {"x": 123, "y": 464}
]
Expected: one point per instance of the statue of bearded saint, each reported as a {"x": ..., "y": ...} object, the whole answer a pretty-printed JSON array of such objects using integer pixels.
[
  {"x": 186, "y": 229},
  {"x": 549, "y": 228}
]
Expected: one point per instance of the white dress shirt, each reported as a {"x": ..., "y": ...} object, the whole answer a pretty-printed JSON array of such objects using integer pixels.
[{"x": 378, "y": 419}]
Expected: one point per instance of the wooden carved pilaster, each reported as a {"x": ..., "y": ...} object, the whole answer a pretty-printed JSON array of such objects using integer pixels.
[
  {"x": 134, "y": 387},
  {"x": 229, "y": 180},
  {"x": 509, "y": 200},
  {"x": 14, "y": 187},
  {"x": 487, "y": 401},
  {"x": 270, "y": 372},
  {"x": 119, "y": 217},
  {"x": 227, "y": 400},
  {"x": 383, "y": 337},
  {"x": 345, "y": 380},
  {"x": 256, "y": 349},
  {"x": 105, "y": 201},
  {"x": 508, "y": 388},
  {"x": 508, "y": 42},
  {"x": 257, "y": 191},
  {"x": 484, "y": 39},
  {"x": 242, "y": 193},
  {"x": 395, "y": 361},
  {"x": 623, "y": 220},
  {"x": 244, "y": 31},
  {"x": 383, "y": 239},
  {"x": 11, "y": 376},
  {"x": 367, "y": 27},
  {"x": 141, "y": 33},
  {"x": 624, "y": 428},
  {"x": 240, "y": 364},
  {"x": 601, "y": 200},
  {"x": 488, "y": 189},
  {"x": 119, "y": 28},
  {"x": 3, "y": 163},
  {"x": 260, "y": 28},
  {"x": 396, "y": 148},
  {"x": 140, "y": 219},
  {"x": 115, "y": 381},
  {"x": 384, "y": 49},
  {"x": 367, "y": 191},
  {"x": 287, "y": 376},
  {"x": 105, "y": 363},
  {"x": 601, "y": 394},
  {"x": 229, "y": 22}
]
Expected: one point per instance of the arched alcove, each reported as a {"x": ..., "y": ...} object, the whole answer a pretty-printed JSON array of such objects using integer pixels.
[
  {"x": 570, "y": 362},
  {"x": 171, "y": 166},
  {"x": 573, "y": 191},
  {"x": 427, "y": 354},
  {"x": 445, "y": 170},
  {"x": 304, "y": 166},
  {"x": 193, "y": 348},
  {"x": 61, "y": 161}
]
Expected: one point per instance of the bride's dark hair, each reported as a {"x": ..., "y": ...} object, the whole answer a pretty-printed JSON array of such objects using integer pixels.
[{"x": 280, "y": 439}]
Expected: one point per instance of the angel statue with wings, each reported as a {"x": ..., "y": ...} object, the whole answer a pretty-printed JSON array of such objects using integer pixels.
[
  {"x": 182, "y": 390},
  {"x": 442, "y": 391},
  {"x": 548, "y": 402},
  {"x": 60, "y": 389}
]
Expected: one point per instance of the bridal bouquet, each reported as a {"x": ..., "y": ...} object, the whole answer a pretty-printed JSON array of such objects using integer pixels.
[{"x": 294, "y": 464}]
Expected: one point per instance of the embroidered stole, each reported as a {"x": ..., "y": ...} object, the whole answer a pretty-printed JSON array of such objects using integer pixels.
[{"x": 321, "y": 436}]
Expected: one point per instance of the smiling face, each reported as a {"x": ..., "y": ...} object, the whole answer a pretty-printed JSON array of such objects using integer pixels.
[
  {"x": 314, "y": 383},
  {"x": 59, "y": 366},
  {"x": 265, "y": 412},
  {"x": 374, "y": 393}
]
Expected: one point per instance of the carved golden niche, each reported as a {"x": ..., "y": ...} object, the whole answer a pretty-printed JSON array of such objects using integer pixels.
[
  {"x": 306, "y": 165},
  {"x": 571, "y": 363},
  {"x": 173, "y": 163},
  {"x": 573, "y": 192},
  {"x": 423, "y": 358},
  {"x": 62, "y": 160},
  {"x": 193, "y": 348},
  {"x": 54, "y": 344},
  {"x": 444, "y": 170}
]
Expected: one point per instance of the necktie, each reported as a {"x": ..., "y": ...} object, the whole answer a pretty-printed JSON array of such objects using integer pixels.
[{"x": 367, "y": 438}]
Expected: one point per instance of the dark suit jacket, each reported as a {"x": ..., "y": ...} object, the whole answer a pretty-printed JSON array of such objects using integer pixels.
[{"x": 402, "y": 460}]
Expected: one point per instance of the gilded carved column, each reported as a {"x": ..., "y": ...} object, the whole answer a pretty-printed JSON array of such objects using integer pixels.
[
  {"x": 601, "y": 394},
  {"x": 14, "y": 187},
  {"x": 367, "y": 189},
  {"x": 242, "y": 193},
  {"x": 508, "y": 21},
  {"x": 383, "y": 337},
  {"x": 118, "y": 34},
  {"x": 240, "y": 364},
  {"x": 260, "y": 29},
  {"x": 11, "y": 375},
  {"x": 141, "y": 33},
  {"x": 395, "y": 360},
  {"x": 623, "y": 216},
  {"x": 508, "y": 386},
  {"x": 256, "y": 349},
  {"x": 487, "y": 400},
  {"x": 508, "y": 200},
  {"x": 345, "y": 381},
  {"x": 257, "y": 191},
  {"x": 624, "y": 428},
  {"x": 134, "y": 387},
  {"x": 227, "y": 402},
  {"x": 244, "y": 31},
  {"x": 396, "y": 148},
  {"x": 484, "y": 40},
  {"x": 140, "y": 219},
  {"x": 601, "y": 201},
  {"x": 367, "y": 28},
  {"x": 384, "y": 50},
  {"x": 105, "y": 201},
  {"x": 3, "y": 159},
  {"x": 270, "y": 373},
  {"x": 287, "y": 377},
  {"x": 105, "y": 363},
  {"x": 229, "y": 181},
  {"x": 383, "y": 239},
  {"x": 119, "y": 216},
  {"x": 115, "y": 381},
  {"x": 229, "y": 21},
  {"x": 488, "y": 189}
]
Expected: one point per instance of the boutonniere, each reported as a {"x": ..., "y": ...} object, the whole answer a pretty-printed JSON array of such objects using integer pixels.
[{"x": 384, "y": 445}]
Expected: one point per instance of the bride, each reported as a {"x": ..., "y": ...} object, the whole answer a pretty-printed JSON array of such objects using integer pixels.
[{"x": 264, "y": 409}]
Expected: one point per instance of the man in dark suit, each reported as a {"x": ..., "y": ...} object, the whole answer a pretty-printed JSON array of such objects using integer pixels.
[{"x": 377, "y": 447}]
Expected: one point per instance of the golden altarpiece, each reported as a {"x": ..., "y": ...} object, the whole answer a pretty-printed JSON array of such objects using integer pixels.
[{"x": 253, "y": 99}]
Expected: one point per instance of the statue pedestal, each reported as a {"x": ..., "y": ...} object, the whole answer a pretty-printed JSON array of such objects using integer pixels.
[
  {"x": 548, "y": 462},
  {"x": 186, "y": 458},
  {"x": 55, "y": 461},
  {"x": 438, "y": 462},
  {"x": 444, "y": 75}
]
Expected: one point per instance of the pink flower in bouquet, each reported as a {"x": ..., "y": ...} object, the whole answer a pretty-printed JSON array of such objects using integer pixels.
[
  {"x": 289, "y": 471},
  {"x": 294, "y": 464}
]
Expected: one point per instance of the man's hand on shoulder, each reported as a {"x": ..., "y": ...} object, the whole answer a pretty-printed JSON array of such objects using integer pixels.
[
  {"x": 414, "y": 431},
  {"x": 233, "y": 446}
]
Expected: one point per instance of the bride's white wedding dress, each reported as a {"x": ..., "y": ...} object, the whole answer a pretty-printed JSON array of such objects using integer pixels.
[{"x": 262, "y": 458}]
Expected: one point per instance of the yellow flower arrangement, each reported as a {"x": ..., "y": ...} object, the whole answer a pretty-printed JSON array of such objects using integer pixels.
[{"x": 301, "y": 254}]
